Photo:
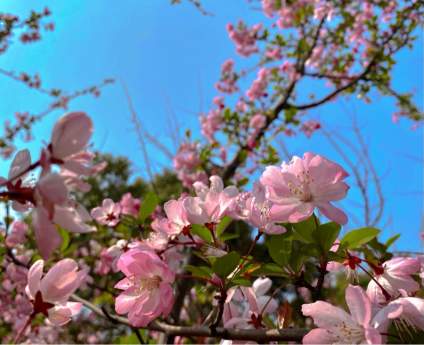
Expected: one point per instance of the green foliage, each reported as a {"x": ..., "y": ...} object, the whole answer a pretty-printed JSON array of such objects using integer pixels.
[
  {"x": 148, "y": 205},
  {"x": 356, "y": 238},
  {"x": 226, "y": 264}
]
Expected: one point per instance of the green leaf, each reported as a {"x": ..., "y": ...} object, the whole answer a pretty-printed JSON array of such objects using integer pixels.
[
  {"x": 226, "y": 264},
  {"x": 392, "y": 240},
  {"x": 202, "y": 232},
  {"x": 222, "y": 226},
  {"x": 65, "y": 238},
  {"x": 356, "y": 238},
  {"x": 326, "y": 234},
  {"x": 226, "y": 237},
  {"x": 303, "y": 230},
  {"x": 279, "y": 248},
  {"x": 200, "y": 271},
  {"x": 270, "y": 270},
  {"x": 148, "y": 205}
]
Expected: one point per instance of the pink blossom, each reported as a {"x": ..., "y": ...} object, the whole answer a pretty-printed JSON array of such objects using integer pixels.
[
  {"x": 50, "y": 294},
  {"x": 109, "y": 258},
  {"x": 303, "y": 184},
  {"x": 70, "y": 136},
  {"x": 227, "y": 82},
  {"x": 363, "y": 324},
  {"x": 244, "y": 38},
  {"x": 130, "y": 205},
  {"x": 72, "y": 217},
  {"x": 108, "y": 214},
  {"x": 286, "y": 14},
  {"x": 269, "y": 7},
  {"x": 17, "y": 233},
  {"x": 211, "y": 203},
  {"x": 245, "y": 306},
  {"x": 258, "y": 88},
  {"x": 395, "y": 277},
  {"x": 309, "y": 127},
  {"x": 254, "y": 208},
  {"x": 257, "y": 122},
  {"x": 177, "y": 217},
  {"x": 211, "y": 123},
  {"x": 147, "y": 287}
]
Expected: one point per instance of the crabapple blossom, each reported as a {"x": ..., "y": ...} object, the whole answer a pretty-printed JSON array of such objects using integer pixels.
[
  {"x": 17, "y": 232},
  {"x": 108, "y": 214},
  {"x": 255, "y": 208},
  {"x": 298, "y": 187},
  {"x": 147, "y": 287},
  {"x": 259, "y": 85},
  {"x": 50, "y": 293},
  {"x": 211, "y": 203},
  {"x": 109, "y": 258},
  {"x": 395, "y": 277},
  {"x": 130, "y": 205},
  {"x": 244, "y": 37},
  {"x": 245, "y": 306}
]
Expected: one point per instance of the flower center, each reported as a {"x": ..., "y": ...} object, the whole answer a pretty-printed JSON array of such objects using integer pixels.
[
  {"x": 300, "y": 189},
  {"x": 151, "y": 283}
]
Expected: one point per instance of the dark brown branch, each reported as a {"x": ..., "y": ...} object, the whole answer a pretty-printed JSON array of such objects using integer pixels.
[{"x": 258, "y": 335}]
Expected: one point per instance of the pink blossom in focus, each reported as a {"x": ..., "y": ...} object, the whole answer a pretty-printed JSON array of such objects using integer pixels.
[
  {"x": 108, "y": 214},
  {"x": 363, "y": 324},
  {"x": 298, "y": 187},
  {"x": 211, "y": 203},
  {"x": 254, "y": 208},
  {"x": 50, "y": 294},
  {"x": 147, "y": 287}
]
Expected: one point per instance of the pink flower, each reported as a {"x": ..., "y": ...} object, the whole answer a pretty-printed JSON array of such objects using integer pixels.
[
  {"x": 244, "y": 38},
  {"x": 245, "y": 306},
  {"x": 130, "y": 205},
  {"x": 18, "y": 229},
  {"x": 72, "y": 217},
  {"x": 50, "y": 294},
  {"x": 257, "y": 122},
  {"x": 147, "y": 287},
  {"x": 309, "y": 127},
  {"x": 177, "y": 217},
  {"x": 337, "y": 326},
  {"x": 259, "y": 85},
  {"x": 361, "y": 325},
  {"x": 108, "y": 214},
  {"x": 395, "y": 277},
  {"x": 303, "y": 184},
  {"x": 109, "y": 258},
  {"x": 254, "y": 208},
  {"x": 70, "y": 136},
  {"x": 210, "y": 204}
]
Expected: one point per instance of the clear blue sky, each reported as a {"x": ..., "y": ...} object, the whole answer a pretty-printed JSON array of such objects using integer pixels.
[{"x": 170, "y": 57}]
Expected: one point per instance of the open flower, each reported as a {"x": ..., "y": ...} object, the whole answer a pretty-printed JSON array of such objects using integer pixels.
[
  {"x": 303, "y": 184},
  {"x": 50, "y": 294},
  {"x": 364, "y": 324},
  {"x": 255, "y": 209},
  {"x": 108, "y": 214},
  {"x": 147, "y": 287},
  {"x": 394, "y": 276},
  {"x": 210, "y": 204},
  {"x": 245, "y": 306}
]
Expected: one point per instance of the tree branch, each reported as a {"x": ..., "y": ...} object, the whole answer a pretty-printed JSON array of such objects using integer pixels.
[{"x": 258, "y": 335}]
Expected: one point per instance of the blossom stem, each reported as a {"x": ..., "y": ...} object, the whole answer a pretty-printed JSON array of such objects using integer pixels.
[{"x": 387, "y": 296}]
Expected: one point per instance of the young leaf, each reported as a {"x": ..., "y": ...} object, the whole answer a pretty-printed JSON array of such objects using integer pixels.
[
  {"x": 279, "y": 248},
  {"x": 356, "y": 238},
  {"x": 326, "y": 234},
  {"x": 223, "y": 224},
  {"x": 202, "y": 232},
  {"x": 303, "y": 230},
  {"x": 224, "y": 265},
  {"x": 148, "y": 205},
  {"x": 392, "y": 240}
]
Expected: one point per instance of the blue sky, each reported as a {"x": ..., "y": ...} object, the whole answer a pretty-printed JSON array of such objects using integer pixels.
[{"x": 169, "y": 57}]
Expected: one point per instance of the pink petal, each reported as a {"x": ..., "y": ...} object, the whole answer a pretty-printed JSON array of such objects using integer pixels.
[
  {"x": 359, "y": 304},
  {"x": 333, "y": 213},
  {"x": 318, "y": 336},
  {"x": 34, "y": 276},
  {"x": 46, "y": 235}
]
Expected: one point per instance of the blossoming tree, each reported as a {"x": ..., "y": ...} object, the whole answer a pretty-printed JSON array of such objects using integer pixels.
[{"x": 224, "y": 256}]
